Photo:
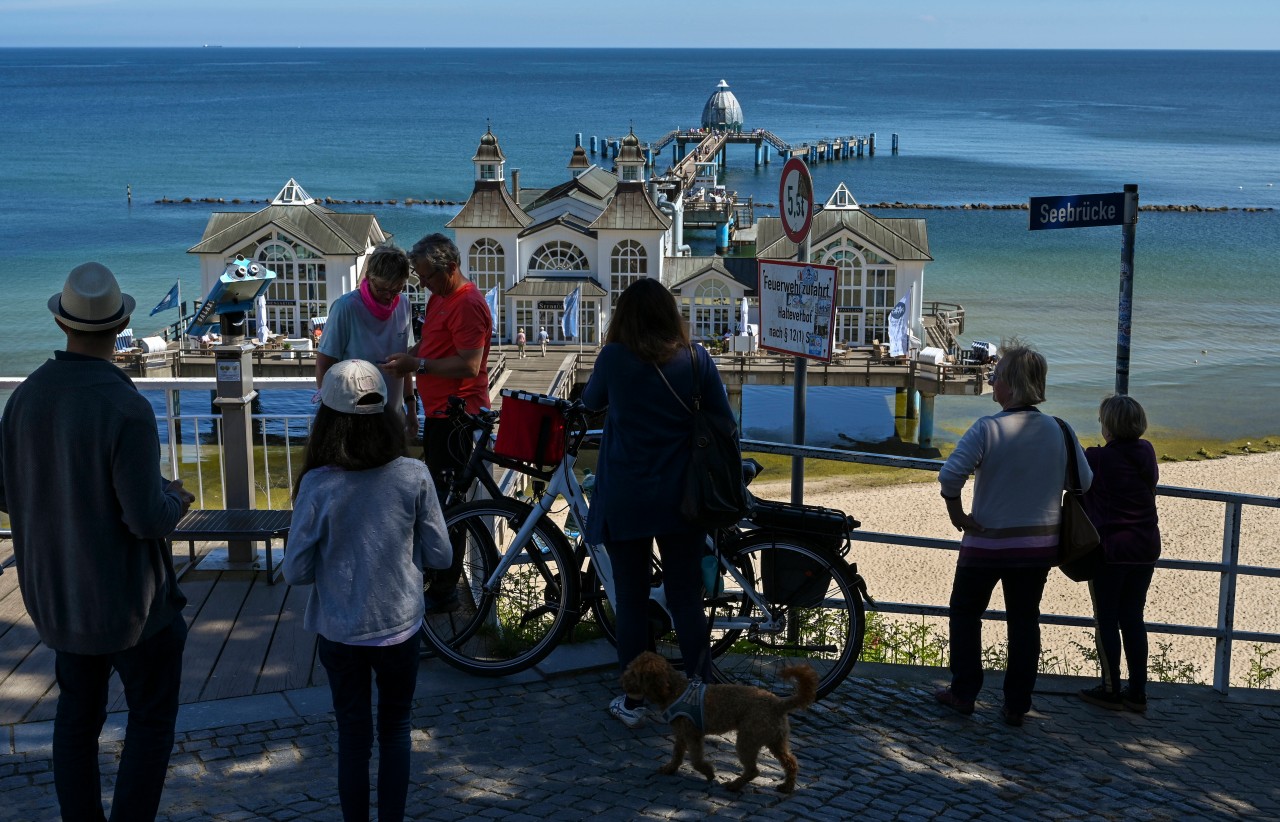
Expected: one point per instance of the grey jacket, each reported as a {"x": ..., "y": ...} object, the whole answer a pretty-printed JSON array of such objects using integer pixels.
[
  {"x": 80, "y": 479},
  {"x": 362, "y": 539}
]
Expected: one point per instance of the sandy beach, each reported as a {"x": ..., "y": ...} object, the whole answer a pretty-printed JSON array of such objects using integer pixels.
[{"x": 1191, "y": 529}]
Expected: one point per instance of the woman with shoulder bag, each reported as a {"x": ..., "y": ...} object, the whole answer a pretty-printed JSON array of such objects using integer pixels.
[
  {"x": 1019, "y": 459},
  {"x": 1121, "y": 503},
  {"x": 645, "y": 376}
]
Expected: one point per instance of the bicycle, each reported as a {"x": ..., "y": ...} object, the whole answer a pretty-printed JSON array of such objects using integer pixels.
[{"x": 778, "y": 588}]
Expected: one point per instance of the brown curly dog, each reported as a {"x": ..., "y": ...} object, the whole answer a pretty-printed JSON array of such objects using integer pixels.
[{"x": 759, "y": 717}]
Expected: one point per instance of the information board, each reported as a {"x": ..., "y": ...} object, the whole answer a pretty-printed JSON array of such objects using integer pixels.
[{"x": 797, "y": 308}]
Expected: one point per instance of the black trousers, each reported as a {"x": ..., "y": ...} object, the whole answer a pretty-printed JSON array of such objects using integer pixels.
[
  {"x": 632, "y": 561},
  {"x": 970, "y": 594},
  {"x": 151, "y": 673},
  {"x": 350, "y": 669},
  {"x": 443, "y": 447},
  {"x": 1119, "y": 594}
]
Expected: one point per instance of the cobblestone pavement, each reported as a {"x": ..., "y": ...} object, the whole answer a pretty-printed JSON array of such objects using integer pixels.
[{"x": 537, "y": 748}]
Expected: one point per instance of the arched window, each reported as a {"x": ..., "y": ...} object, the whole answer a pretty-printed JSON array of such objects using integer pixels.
[
  {"x": 866, "y": 283},
  {"x": 298, "y": 292},
  {"x": 487, "y": 263},
  {"x": 558, "y": 255},
  {"x": 849, "y": 276},
  {"x": 712, "y": 309},
  {"x": 628, "y": 263}
]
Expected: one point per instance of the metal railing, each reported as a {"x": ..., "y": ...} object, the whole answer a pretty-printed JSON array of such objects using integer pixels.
[
  {"x": 1229, "y": 569},
  {"x": 187, "y": 452}
]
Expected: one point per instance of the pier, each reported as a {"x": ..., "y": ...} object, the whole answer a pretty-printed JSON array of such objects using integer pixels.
[{"x": 699, "y": 155}]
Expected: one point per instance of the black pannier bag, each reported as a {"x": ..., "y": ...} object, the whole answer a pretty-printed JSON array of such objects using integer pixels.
[{"x": 788, "y": 577}]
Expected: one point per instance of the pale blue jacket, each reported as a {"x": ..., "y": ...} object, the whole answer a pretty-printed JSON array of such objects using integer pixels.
[{"x": 363, "y": 539}]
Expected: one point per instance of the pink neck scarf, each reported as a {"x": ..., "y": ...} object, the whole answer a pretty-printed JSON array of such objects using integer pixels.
[{"x": 377, "y": 309}]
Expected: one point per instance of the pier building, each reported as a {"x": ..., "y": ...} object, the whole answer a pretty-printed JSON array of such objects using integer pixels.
[
  {"x": 317, "y": 253},
  {"x": 599, "y": 231}
]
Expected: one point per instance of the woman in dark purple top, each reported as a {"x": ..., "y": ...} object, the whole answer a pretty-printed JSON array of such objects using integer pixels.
[{"x": 1122, "y": 505}]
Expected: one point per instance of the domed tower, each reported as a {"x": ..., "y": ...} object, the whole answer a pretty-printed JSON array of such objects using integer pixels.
[
  {"x": 630, "y": 160},
  {"x": 722, "y": 112},
  {"x": 489, "y": 158},
  {"x": 578, "y": 161}
]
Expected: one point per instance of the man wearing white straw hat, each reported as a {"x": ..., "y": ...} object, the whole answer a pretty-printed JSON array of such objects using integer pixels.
[{"x": 89, "y": 509}]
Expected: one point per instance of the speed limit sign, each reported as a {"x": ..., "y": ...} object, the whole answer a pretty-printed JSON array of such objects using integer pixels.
[{"x": 795, "y": 200}]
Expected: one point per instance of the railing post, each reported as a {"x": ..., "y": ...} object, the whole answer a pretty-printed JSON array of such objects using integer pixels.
[
  {"x": 173, "y": 408},
  {"x": 1227, "y": 598}
]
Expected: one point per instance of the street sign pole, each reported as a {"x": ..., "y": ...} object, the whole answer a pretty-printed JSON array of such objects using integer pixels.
[
  {"x": 1087, "y": 211},
  {"x": 799, "y": 408},
  {"x": 1124, "y": 324},
  {"x": 795, "y": 201}
]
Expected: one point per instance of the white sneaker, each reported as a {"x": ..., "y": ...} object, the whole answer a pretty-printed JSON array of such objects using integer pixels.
[{"x": 631, "y": 717}]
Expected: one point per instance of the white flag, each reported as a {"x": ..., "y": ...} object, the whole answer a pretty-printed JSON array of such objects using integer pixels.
[
  {"x": 491, "y": 297},
  {"x": 569, "y": 322},
  {"x": 900, "y": 327}
]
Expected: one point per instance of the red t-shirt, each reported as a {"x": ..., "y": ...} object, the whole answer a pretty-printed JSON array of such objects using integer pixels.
[{"x": 458, "y": 322}]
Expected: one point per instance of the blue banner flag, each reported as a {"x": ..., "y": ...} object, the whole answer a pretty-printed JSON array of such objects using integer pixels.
[
  {"x": 491, "y": 297},
  {"x": 170, "y": 300},
  {"x": 569, "y": 322}
]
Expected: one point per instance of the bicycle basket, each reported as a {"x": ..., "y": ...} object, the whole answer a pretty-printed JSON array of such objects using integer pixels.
[
  {"x": 792, "y": 579},
  {"x": 530, "y": 428}
]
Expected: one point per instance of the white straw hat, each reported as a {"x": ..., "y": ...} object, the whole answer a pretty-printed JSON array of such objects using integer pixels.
[
  {"x": 91, "y": 299},
  {"x": 351, "y": 381}
]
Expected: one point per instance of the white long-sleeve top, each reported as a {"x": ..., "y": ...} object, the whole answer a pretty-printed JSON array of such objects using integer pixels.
[{"x": 1019, "y": 460}]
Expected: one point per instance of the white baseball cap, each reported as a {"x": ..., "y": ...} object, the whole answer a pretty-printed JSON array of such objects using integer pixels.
[{"x": 354, "y": 387}]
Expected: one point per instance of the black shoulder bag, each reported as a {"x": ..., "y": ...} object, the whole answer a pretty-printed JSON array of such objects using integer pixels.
[
  {"x": 715, "y": 495},
  {"x": 1079, "y": 547}
]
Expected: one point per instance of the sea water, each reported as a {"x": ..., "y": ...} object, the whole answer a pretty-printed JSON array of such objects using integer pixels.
[{"x": 975, "y": 127}]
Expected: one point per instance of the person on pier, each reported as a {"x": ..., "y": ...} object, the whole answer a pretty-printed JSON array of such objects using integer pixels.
[
  {"x": 451, "y": 359},
  {"x": 372, "y": 323}
]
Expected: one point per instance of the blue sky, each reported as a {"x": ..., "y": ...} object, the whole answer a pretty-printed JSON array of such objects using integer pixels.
[{"x": 1147, "y": 24}]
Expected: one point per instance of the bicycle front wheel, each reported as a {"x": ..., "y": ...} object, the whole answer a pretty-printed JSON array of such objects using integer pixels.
[
  {"x": 801, "y": 604},
  {"x": 507, "y": 624}
]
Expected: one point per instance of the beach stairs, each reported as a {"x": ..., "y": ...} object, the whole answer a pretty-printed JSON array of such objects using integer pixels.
[{"x": 939, "y": 332}]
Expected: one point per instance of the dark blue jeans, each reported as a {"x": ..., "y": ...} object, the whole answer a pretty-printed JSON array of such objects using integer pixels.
[
  {"x": 395, "y": 667},
  {"x": 151, "y": 673},
  {"x": 632, "y": 562},
  {"x": 1119, "y": 595},
  {"x": 970, "y": 594}
]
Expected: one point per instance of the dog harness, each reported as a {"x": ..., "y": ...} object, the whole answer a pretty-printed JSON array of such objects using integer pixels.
[{"x": 689, "y": 704}]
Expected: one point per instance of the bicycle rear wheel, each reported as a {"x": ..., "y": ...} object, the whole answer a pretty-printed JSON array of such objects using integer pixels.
[
  {"x": 506, "y": 625},
  {"x": 814, "y": 613}
]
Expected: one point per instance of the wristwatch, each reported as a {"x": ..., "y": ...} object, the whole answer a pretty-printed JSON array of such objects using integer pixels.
[{"x": 422, "y": 366}]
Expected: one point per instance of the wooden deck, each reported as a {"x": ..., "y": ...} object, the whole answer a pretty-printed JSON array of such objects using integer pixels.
[{"x": 246, "y": 637}]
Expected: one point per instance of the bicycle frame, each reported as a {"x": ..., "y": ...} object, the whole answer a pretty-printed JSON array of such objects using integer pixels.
[{"x": 562, "y": 481}]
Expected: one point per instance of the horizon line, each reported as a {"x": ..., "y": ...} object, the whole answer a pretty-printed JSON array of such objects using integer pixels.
[{"x": 277, "y": 49}]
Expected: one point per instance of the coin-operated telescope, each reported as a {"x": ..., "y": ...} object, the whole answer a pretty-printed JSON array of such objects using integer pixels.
[{"x": 231, "y": 296}]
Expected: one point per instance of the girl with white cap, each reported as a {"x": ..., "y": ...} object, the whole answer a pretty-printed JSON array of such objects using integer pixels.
[{"x": 365, "y": 562}]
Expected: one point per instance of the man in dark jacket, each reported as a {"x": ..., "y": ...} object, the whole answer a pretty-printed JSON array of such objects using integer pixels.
[{"x": 80, "y": 480}]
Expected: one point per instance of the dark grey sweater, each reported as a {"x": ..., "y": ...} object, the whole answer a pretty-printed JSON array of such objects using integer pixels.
[{"x": 80, "y": 480}]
